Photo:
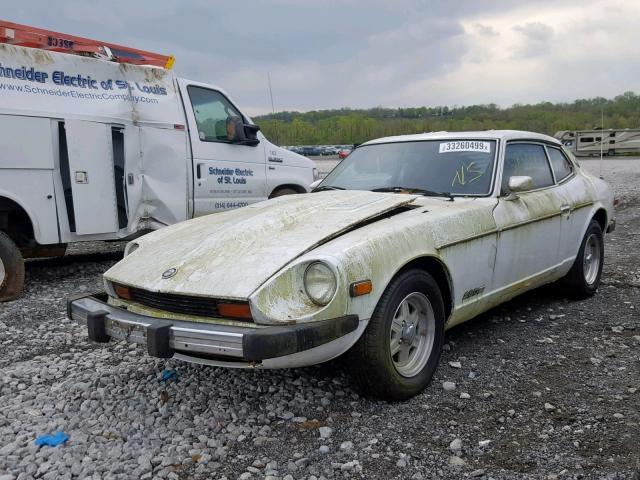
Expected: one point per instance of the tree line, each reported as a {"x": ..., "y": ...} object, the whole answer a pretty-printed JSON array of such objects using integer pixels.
[{"x": 347, "y": 126}]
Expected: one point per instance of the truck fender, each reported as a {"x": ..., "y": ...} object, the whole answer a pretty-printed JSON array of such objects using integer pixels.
[{"x": 4, "y": 194}]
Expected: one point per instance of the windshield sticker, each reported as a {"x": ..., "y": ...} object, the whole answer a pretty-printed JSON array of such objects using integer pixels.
[{"x": 465, "y": 146}]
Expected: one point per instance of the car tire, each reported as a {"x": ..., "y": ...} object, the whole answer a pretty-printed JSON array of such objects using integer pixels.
[
  {"x": 279, "y": 192},
  {"x": 412, "y": 298},
  {"x": 11, "y": 269},
  {"x": 583, "y": 279}
]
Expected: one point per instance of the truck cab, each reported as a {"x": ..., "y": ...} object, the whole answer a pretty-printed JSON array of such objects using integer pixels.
[{"x": 104, "y": 142}]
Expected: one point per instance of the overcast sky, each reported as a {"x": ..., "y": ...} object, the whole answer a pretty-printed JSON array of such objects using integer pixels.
[{"x": 367, "y": 53}]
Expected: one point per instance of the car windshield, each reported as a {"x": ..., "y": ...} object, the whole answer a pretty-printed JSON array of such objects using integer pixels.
[{"x": 459, "y": 167}]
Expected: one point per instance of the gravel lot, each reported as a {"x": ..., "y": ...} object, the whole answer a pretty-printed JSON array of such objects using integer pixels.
[{"x": 543, "y": 388}]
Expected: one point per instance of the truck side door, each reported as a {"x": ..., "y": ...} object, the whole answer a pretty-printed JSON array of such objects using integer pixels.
[
  {"x": 92, "y": 174},
  {"x": 226, "y": 175}
]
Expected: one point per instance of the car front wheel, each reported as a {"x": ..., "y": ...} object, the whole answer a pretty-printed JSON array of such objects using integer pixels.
[
  {"x": 583, "y": 279},
  {"x": 399, "y": 351}
]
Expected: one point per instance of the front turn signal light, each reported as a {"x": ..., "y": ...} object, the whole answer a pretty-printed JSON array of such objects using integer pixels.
[
  {"x": 357, "y": 289},
  {"x": 122, "y": 291},
  {"x": 240, "y": 311}
]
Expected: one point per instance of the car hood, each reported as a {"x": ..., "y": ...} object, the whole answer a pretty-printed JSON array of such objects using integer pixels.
[{"x": 230, "y": 254}]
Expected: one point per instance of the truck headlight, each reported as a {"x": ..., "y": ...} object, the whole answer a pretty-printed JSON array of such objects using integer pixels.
[{"x": 320, "y": 283}]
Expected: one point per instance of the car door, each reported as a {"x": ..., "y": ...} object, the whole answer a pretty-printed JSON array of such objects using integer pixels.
[
  {"x": 528, "y": 223},
  {"x": 226, "y": 175},
  {"x": 575, "y": 191}
]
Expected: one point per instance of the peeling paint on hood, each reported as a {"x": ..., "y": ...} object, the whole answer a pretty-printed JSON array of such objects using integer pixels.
[{"x": 230, "y": 254}]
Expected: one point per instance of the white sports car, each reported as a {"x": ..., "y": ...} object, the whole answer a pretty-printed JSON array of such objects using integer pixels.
[{"x": 406, "y": 237}]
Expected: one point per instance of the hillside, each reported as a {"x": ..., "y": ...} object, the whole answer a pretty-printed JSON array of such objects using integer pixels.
[{"x": 347, "y": 126}]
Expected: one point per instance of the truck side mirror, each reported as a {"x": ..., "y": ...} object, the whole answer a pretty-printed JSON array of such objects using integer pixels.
[
  {"x": 251, "y": 133},
  {"x": 242, "y": 133}
]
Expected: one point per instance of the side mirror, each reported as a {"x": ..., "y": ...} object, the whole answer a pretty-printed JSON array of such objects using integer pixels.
[
  {"x": 519, "y": 184},
  {"x": 251, "y": 133},
  {"x": 313, "y": 185},
  {"x": 242, "y": 133}
]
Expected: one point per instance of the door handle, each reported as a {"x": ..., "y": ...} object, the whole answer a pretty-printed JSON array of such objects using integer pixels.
[
  {"x": 271, "y": 168},
  {"x": 198, "y": 173},
  {"x": 565, "y": 209}
]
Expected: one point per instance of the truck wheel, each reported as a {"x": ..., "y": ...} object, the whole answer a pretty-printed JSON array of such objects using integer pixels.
[
  {"x": 397, "y": 355},
  {"x": 583, "y": 279},
  {"x": 279, "y": 192},
  {"x": 11, "y": 269}
]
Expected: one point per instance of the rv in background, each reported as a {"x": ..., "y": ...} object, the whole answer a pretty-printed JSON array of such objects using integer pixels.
[{"x": 591, "y": 142}]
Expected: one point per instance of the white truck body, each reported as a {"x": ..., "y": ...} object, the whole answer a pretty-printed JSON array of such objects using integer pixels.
[{"x": 98, "y": 150}]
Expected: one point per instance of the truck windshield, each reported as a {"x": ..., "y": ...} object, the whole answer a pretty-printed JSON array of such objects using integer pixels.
[{"x": 459, "y": 167}]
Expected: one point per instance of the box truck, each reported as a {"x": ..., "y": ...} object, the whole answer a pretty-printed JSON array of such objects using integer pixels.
[{"x": 104, "y": 142}]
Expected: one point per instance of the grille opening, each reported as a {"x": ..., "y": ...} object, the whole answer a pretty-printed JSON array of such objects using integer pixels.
[{"x": 182, "y": 304}]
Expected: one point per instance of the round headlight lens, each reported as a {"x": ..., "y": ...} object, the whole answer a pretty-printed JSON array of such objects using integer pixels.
[{"x": 320, "y": 283}]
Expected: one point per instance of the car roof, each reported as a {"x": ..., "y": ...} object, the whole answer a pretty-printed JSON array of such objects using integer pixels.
[{"x": 505, "y": 135}]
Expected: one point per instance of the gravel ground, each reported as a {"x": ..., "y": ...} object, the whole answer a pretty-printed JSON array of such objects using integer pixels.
[{"x": 538, "y": 388}]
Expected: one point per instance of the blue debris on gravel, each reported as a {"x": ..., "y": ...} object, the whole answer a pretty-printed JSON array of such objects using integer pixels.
[
  {"x": 169, "y": 375},
  {"x": 54, "y": 440}
]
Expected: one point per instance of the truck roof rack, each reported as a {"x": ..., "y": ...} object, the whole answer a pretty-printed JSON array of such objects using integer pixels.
[{"x": 25, "y": 36}]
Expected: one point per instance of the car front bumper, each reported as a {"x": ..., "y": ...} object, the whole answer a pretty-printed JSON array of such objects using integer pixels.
[{"x": 165, "y": 338}]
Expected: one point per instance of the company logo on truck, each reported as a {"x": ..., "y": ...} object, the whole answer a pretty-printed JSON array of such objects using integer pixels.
[
  {"x": 231, "y": 175},
  {"x": 62, "y": 78}
]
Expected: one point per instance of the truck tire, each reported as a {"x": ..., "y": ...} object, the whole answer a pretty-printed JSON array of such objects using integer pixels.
[
  {"x": 398, "y": 353},
  {"x": 279, "y": 192},
  {"x": 11, "y": 269}
]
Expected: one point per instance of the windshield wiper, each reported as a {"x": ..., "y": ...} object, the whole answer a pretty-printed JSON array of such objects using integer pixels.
[
  {"x": 327, "y": 187},
  {"x": 420, "y": 191}
]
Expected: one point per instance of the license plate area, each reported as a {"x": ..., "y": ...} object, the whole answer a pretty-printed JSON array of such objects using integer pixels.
[{"x": 127, "y": 331}]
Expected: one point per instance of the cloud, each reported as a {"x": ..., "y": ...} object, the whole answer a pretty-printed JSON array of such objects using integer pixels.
[
  {"x": 485, "y": 30},
  {"x": 363, "y": 53},
  {"x": 537, "y": 38}
]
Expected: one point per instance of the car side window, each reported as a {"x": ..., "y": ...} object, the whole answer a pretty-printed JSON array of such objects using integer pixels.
[
  {"x": 559, "y": 163},
  {"x": 213, "y": 113},
  {"x": 526, "y": 159}
]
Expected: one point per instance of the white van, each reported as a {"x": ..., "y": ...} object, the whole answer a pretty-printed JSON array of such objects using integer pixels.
[{"x": 109, "y": 148}]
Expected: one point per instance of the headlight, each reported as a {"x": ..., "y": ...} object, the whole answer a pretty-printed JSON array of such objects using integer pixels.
[
  {"x": 130, "y": 248},
  {"x": 320, "y": 283}
]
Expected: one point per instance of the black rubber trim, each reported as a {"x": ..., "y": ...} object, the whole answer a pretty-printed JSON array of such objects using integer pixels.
[
  {"x": 158, "y": 338},
  {"x": 96, "y": 327},
  {"x": 274, "y": 342},
  {"x": 77, "y": 296}
]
